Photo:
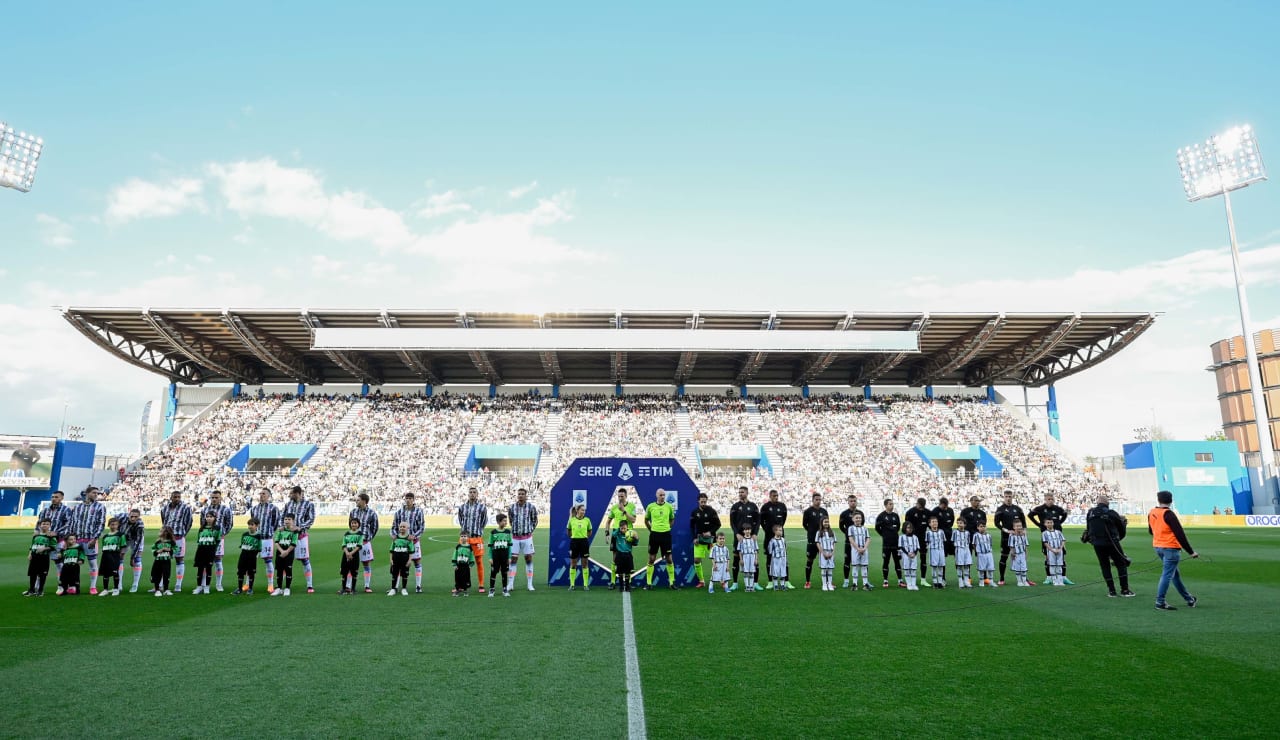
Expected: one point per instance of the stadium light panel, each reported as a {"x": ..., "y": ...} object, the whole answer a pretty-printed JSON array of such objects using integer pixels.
[
  {"x": 19, "y": 156},
  {"x": 1229, "y": 161}
]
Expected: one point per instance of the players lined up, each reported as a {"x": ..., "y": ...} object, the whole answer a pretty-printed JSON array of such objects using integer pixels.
[
  {"x": 68, "y": 537},
  {"x": 917, "y": 547}
]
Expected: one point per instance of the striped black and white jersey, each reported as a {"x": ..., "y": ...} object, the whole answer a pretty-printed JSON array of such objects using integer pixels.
[
  {"x": 935, "y": 540},
  {"x": 472, "y": 518},
  {"x": 303, "y": 513},
  {"x": 132, "y": 531},
  {"x": 826, "y": 541},
  {"x": 1018, "y": 544},
  {"x": 749, "y": 546},
  {"x": 223, "y": 517},
  {"x": 908, "y": 544},
  {"x": 719, "y": 554},
  {"x": 982, "y": 543},
  {"x": 60, "y": 519},
  {"x": 88, "y": 520},
  {"x": 960, "y": 538},
  {"x": 177, "y": 518},
  {"x": 524, "y": 519},
  {"x": 268, "y": 517},
  {"x": 858, "y": 536},
  {"x": 777, "y": 548},
  {"x": 414, "y": 518},
  {"x": 368, "y": 519},
  {"x": 1052, "y": 539}
]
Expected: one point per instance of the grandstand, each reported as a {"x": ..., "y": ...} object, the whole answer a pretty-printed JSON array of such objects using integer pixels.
[{"x": 762, "y": 399}]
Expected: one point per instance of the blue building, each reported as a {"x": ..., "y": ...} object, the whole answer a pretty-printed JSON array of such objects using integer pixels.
[{"x": 1201, "y": 475}]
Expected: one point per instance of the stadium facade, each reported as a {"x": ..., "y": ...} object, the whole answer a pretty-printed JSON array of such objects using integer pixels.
[{"x": 1232, "y": 375}]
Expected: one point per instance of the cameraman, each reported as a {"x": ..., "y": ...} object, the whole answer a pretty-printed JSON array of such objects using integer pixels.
[{"x": 1104, "y": 529}]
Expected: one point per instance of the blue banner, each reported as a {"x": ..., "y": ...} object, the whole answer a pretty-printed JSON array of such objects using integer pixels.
[{"x": 594, "y": 481}]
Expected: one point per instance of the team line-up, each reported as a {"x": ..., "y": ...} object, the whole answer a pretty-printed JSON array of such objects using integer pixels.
[{"x": 67, "y": 537}]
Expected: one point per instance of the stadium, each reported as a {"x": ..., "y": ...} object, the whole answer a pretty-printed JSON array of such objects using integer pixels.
[
  {"x": 882, "y": 407},
  {"x": 623, "y": 371}
]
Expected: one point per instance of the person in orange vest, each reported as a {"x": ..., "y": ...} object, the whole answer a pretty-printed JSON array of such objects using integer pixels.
[{"x": 1169, "y": 540}]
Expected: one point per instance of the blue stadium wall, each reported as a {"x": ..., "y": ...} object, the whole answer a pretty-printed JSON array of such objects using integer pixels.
[{"x": 1201, "y": 475}]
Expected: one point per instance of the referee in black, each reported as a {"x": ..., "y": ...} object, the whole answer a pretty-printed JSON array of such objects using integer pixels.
[
  {"x": 1007, "y": 514},
  {"x": 742, "y": 514},
  {"x": 1050, "y": 511},
  {"x": 846, "y": 521}
]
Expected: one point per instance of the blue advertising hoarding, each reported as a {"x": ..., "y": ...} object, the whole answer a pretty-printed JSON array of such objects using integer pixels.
[{"x": 593, "y": 481}]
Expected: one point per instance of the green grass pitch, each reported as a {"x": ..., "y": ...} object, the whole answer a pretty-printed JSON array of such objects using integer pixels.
[{"x": 1005, "y": 663}]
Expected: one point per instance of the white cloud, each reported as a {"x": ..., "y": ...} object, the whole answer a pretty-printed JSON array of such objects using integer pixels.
[
  {"x": 137, "y": 199},
  {"x": 54, "y": 232},
  {"x": 442, "y": 204},
  {"x": 1162, "y": 282},
  {"x": 517, "y": 193},
  {"x": 265, "y": 188}
]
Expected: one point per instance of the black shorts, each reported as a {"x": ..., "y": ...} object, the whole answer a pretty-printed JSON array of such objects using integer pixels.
[
  {"x": 579, "y": 547},
  {"x": 111, "y": 562},
  {"x": 660, "y": 541},
  {"x": 811, "y": 550},
  {"x": 624, "y": 562},
  {"x": 501, "y": 559}
]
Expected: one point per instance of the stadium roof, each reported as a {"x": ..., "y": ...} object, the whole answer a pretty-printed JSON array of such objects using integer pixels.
[{"x": 255, "y": 346}]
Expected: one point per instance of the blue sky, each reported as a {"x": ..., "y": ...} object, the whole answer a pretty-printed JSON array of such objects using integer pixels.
[{"x": 731, "y": 155}]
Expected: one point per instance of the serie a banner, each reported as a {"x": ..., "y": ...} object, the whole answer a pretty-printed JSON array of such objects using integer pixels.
[{"x": 594, "y": 481}]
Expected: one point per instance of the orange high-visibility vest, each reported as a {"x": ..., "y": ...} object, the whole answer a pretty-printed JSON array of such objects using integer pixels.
[{"x": 1161, "y": 535}]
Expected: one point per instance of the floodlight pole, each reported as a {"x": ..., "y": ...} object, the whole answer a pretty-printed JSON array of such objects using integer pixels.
[{"x": 1265, "y": 446}]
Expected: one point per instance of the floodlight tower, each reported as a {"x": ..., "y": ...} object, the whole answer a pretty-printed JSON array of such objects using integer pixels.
[
  {"x": 1230, "y": 161},
  {"x": 19, "y": 155}
]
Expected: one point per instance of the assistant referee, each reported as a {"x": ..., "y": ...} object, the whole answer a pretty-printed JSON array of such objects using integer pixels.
[{"x": 658, "y": 517}]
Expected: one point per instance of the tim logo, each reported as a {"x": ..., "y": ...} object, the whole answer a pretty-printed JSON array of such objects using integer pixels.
[{"x": 624, "y": 473}]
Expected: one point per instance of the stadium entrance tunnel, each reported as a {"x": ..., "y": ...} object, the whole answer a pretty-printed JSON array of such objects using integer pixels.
[{"x": 961, "y": 460}]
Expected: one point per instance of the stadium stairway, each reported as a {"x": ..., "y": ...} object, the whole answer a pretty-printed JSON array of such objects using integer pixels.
[
  {"x": 764, "y": 438},
  {"x": 684, "y": 430},
  {"x": 270, "y": 424},
  {"x": 870, "y": 498},
  {"x": 905, "y": 447},
  {"x": 338, "y": 432},
  {"x": 471, "y": 440},
  {"x": 551, "y": 440}
]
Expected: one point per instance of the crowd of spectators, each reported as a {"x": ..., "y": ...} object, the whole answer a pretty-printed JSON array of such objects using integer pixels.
[
  {"x": 308, "y": 421},
  {"x": 832, "y": 444}
]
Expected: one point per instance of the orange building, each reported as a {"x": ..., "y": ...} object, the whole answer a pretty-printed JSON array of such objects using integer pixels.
[{"x": 1232, "y": 374}]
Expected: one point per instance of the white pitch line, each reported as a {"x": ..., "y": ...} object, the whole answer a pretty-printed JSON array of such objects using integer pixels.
[{"x": 635, "y": 697}]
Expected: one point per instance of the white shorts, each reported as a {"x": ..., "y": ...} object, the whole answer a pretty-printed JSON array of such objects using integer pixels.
[
  {"x": 748, "y": 564},
  {"x": 1019, "y": 562},
  {"x": 180, "y": 547},
  {"x": 222, "y": 548},
  {"x": 858, "y": 558},
  {"x": 135, "y": 556},
  {"x": 304, "y": 549},
  {"x": 719, "y": 572},
  {"x": 909, "y": 561},
  {"x": 268, "y": 548},
  {"x": 417, "y": 550},
  {"x": 366, "y": 553},
  {"x": 521, "y": 546},
  {"x": 987, "y": 561},
  {"x": 963, "y": 556},
  {"x": 938, "y": 558},
  {"x": 826, "y": 562}
]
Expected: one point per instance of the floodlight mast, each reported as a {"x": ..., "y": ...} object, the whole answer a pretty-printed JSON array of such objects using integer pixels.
[
  {"x": 19, "y": 156},
  {"x": 1226, "y": 162}
]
